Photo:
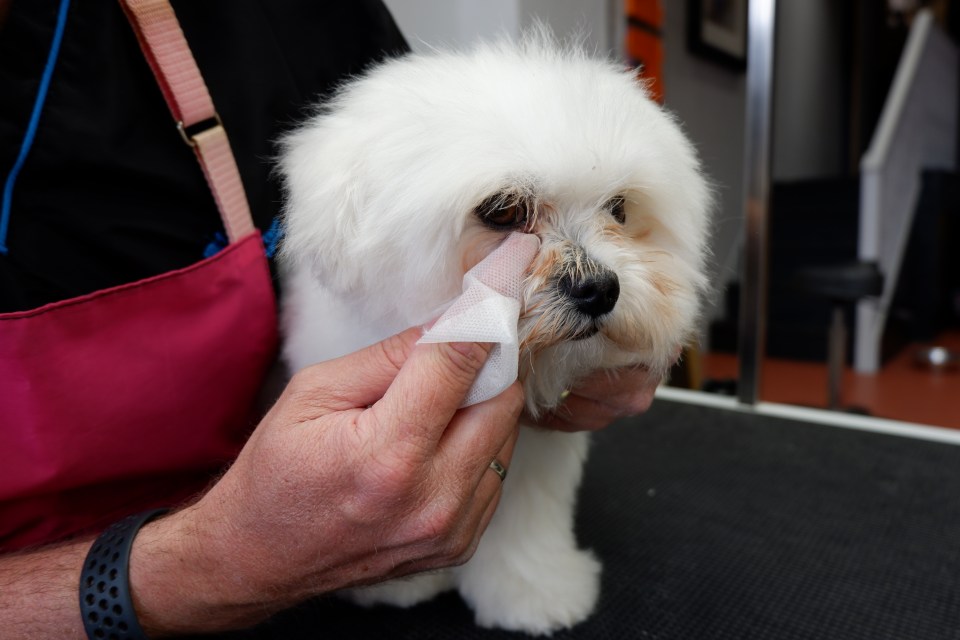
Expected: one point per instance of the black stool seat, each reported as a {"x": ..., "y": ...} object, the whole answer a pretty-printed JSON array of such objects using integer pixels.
[{"x": 843, "y": 282}]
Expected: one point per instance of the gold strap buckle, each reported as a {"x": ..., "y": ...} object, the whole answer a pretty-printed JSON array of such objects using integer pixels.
[{"x": 189, "y": 132}]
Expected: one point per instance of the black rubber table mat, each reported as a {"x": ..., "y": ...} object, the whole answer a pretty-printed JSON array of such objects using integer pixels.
[{"x": 714, "y": 524}]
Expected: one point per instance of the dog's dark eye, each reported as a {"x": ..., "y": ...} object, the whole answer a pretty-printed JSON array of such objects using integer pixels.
[
  {"x": 616, "y": 208},
  {"x": 498, "y": 214}
]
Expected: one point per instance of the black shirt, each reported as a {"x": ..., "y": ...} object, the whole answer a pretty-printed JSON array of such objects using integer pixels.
[{"x": 110, "y": 193}]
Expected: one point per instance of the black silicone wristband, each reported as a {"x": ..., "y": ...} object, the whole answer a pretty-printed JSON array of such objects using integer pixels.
[{"x": 105, "y": 602}]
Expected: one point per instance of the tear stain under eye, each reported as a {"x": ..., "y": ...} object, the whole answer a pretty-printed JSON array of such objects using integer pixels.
[
  {"x": 634, "y": 230},
  {"x": 544, "y": 266}
]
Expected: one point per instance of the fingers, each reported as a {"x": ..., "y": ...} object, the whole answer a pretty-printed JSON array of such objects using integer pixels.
[
  {"x": 601, "y": 398},
  {"x": 490, "y": 480},
  {"x": 362, "y": 378},
  {"x": 426, "y": 393},
  {"x": 464, "y": 465},
  {"x": 578, "y": 414},
  {"x": 619, "y": 387},
  {"x": 480, "y": 433}
]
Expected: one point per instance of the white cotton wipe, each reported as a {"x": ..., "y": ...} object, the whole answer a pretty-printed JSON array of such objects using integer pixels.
[{"x": 488, "y": 311}]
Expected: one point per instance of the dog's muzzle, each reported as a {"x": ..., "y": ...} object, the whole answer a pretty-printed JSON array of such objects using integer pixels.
[
  {"x": 584, "y": 291},
  {"x": 593, "y": 295}
]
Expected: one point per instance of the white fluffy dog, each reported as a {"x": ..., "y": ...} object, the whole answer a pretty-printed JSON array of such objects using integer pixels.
[{"x": 412, "y": 174}]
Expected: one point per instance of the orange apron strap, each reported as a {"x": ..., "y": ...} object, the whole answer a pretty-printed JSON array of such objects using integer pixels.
[{"x": 169, "y": 56}]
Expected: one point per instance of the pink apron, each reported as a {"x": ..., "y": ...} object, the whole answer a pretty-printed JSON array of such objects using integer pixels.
[{"x": 134, "y": 396}]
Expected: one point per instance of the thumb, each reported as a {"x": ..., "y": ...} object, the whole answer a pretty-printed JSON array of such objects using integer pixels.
[
  {"x": 359, "y": 379},
  {"x": 428, "y": 391}
]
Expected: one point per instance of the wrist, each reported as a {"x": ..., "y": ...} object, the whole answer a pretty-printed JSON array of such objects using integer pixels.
[
  {"x": 182, "y": 582},
  {"x": 105, "y": 604}
]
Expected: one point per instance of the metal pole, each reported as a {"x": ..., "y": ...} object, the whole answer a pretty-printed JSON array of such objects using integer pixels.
[
  {"x": 836, "y": 355},
  {"x": 752, "y": 338}
]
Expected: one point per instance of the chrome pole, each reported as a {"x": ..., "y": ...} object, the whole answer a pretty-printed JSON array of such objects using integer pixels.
[{"x": 753, "y": 293}]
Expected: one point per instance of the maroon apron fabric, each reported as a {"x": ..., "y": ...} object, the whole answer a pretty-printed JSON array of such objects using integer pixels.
[{"x": 132, "y": 396}]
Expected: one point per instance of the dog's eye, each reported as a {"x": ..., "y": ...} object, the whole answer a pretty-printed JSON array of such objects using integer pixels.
[
  {"x": 616, "y": 207},
  {"x": 497, "y": 214}
]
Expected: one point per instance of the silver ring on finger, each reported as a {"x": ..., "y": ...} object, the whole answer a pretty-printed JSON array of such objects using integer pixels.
[{"x": 497, "y": 467}]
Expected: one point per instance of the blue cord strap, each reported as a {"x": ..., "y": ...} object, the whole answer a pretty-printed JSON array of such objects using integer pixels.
[{"x": 33, "y": 124}]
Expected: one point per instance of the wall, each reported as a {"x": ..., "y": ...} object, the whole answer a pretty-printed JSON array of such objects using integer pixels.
[
  {"x": 460, "y": 22},
  {"x": 591, "y": 18},
  {"x": 710, "y": 101},
  {"x": 808, "y": 138},
  {"x": 454, "y": 23}
]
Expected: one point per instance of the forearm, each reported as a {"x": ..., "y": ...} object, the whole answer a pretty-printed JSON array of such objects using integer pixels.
[
  {"x": 39, "y": 593},
  {"x": 172, "y": 584}
]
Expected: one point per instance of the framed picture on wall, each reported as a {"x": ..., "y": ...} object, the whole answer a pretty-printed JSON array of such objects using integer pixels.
[{"x": 717, "y": 30}]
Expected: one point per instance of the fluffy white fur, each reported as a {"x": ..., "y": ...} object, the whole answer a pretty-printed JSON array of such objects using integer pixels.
[{"x": 383, "y": 186}]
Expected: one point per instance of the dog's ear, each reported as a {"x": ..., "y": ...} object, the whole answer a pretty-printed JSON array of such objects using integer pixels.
[{"x": 322, "y": 200}]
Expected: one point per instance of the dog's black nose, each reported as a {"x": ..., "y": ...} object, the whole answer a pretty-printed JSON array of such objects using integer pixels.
[{"x": 594, "y": 295}]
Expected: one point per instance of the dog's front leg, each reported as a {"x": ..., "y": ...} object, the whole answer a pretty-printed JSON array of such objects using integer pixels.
[{"x": 528, "y": 574}]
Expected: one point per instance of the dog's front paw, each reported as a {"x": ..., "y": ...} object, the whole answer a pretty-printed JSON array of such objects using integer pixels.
[
  {"x": 403, "y": 592},
  {"x": 538, "y": 600}
]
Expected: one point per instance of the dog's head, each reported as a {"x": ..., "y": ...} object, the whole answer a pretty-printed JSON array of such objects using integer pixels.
[{"x": 415, "y": 171}]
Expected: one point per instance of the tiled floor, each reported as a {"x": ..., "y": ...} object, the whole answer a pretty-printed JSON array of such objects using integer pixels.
[{"x": 900, "y": 391}]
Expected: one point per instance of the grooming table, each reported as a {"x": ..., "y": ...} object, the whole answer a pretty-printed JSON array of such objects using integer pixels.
[{"x": 719, "y": 524}]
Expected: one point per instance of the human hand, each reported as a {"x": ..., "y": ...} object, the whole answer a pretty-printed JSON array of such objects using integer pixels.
[
  {"x": 364, "y": 470},
  {"x": 600, "y": 398}
]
